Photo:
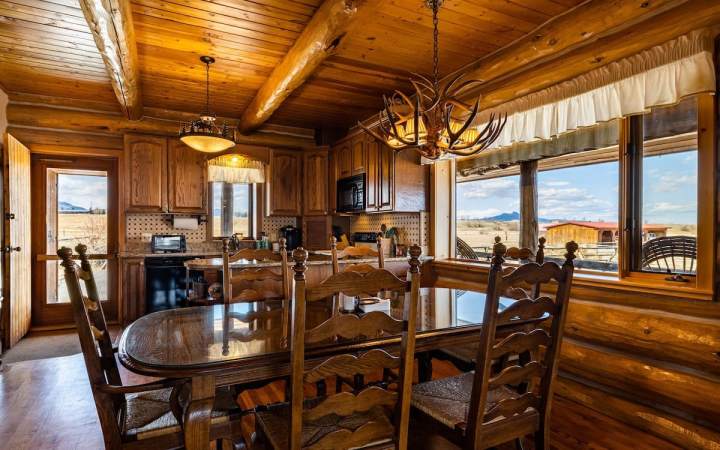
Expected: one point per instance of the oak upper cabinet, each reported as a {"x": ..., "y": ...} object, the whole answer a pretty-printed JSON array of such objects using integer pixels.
[
  {"x": 145, "y": 173},
  {"x": 187, "y": 179},
  {"x": 284, "y": 183},
  {"x": 385, "y": 179},
  {"x": 372, "y": 153},
  {"x": 357, "y": 154},
  {"x": 343, "y": 156},
  {"x": 315, "y": 183}
]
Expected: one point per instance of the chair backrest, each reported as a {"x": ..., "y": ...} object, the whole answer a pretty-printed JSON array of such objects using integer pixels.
[
  {"x": 524, "y": 254},
  {"x": 95, "y": 340},
  {"x": 251, "y": 284},
  {"x": 463, "y": 250},
  {"x": 533, "y": 311},
  {"x": 670, "y": 254},
  {"x": 395, "y": 406},
  {"x": 351, "y": 252}
]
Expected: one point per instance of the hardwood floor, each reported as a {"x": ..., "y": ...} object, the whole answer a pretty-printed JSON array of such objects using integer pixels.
[{"x": 47, "y": 404}]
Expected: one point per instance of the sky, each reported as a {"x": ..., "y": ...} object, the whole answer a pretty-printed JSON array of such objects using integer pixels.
[
  {"x": 86, "y": 191},
  {"x": 591, "y": 192}
]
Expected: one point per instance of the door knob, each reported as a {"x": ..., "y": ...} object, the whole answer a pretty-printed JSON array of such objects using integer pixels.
[
  {"x": 9, "y": 249},
  {"x": 10, "y": 216}
]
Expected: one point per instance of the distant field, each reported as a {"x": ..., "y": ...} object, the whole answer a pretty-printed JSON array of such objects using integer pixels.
[{"x": 239, "y": 223}]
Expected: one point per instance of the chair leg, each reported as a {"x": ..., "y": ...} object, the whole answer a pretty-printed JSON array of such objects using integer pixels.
[
  {"x": 541, "y": 442},
  {"x": 424, "y": 367}
]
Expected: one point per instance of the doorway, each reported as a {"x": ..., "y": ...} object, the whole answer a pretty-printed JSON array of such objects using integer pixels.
[{"x": 75, "y": 202}]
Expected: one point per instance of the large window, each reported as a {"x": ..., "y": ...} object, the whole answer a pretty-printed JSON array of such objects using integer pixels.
[
  {"x": 580, "y": 203},
  {"x": 664, "y": 165},
  {"x": 232, "y": 209},
  {"x": 487, "y": 208}
]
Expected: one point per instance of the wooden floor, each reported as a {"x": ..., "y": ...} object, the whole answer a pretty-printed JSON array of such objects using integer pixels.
[{"x": 47, "y": 404}]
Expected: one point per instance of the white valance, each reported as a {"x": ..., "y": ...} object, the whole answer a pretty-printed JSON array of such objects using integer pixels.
[
  {"x": 235, "y": 168},
  {"x": 660, "y": 76}
]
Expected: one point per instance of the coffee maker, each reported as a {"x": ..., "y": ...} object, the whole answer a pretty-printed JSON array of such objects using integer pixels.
[{"x": 292, "y": 236}]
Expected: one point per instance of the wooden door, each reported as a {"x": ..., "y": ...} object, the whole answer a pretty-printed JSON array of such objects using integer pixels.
[
  {"x": 133, "y": 289},
  {"x": 76, "y": 202},
  {"x": 146, "y": 173},
  {"x": 385, "y": 183},
  {"x": 187, "y": 179},
  {"x": 358, "y": 155},
  {"x": 372, "y": 179},
  {"x": 315, "y": 179},
  {"x": 344, "y": 161},
  {"x": 283, "y": 183},
  {"x": 17, "y": 298}
]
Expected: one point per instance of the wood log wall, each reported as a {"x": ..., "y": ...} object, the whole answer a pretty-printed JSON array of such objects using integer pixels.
[{"x": 647, "y": 357}]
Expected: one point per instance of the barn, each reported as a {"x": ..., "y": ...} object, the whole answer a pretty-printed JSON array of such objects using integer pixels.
[{"x": 594, "y": 232}]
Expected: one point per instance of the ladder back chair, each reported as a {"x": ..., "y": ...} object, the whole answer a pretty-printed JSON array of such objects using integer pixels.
[
  {"x": 483, "y": 409},
  {"x": 259, "y": 283},
  {"x": 463, "y": 357},
  {"x": 374, "y": 417},
  {"x": 142, "y": 416},
  {"x": 349, "y": 253}
]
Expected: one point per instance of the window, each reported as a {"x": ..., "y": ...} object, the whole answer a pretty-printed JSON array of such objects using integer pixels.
[
  {"x": 664, "y": 201},
  {"x": 580, "y": 203},
  {"x": 486, "y": 208},
  {"x": 232, "y": 209}
]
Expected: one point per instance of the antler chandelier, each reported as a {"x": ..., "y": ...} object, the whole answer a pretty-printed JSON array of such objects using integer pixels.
[
  {"x": 435, "y": 121},
  {"x": 202, "y": 134}
]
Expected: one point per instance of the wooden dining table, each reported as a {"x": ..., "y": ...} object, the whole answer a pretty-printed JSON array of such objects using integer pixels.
[{"x": 246, "y": 343}]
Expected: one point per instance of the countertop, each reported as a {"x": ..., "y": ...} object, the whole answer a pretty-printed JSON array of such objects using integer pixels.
[
  {"x": 192, "y": 254},
  {"x": 216, "y": 263}
]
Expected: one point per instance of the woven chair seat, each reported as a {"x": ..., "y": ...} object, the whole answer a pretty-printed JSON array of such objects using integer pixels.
[
  {"x": 447, "y": 400},
  {"x": 148, "y": 413},
  {"x": 274, "y": 422}
]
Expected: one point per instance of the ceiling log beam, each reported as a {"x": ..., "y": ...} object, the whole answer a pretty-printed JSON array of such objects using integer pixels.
[
  {"x": 111, "y": 24},
  {"x": 319, "y": 39},
  {"x": 51, "y": 119}
]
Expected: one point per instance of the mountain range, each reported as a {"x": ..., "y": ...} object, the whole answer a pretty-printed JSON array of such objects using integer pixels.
[
  {"x": 509, "y": 217},
  {"x": 69, "y": 207}
]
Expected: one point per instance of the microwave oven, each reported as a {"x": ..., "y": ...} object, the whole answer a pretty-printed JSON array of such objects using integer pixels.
[{"x": 351, "y": 194}]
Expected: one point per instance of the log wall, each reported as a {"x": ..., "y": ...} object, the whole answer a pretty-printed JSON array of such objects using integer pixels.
[{"x": 648, "y": 357}]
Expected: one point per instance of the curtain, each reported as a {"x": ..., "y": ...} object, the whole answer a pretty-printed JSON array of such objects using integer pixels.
[{"x": 660, "y": 76}]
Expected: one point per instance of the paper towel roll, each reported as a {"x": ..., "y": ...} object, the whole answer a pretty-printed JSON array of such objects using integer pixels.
[{"x": 185, "y": 223}]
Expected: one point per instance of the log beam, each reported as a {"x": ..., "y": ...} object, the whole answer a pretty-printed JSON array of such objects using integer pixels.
[
  {"x": 111, "y": 24},
  {"x": 319, "y": 39},
  {"x": 48, "y": 119},
  {"x": 528, "y": 205}
]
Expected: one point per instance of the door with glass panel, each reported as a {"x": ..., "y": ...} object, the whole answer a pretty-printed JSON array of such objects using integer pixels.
[{"x": 75, "y": 202}]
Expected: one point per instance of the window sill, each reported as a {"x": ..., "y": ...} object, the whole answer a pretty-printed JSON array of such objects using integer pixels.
[{"x": 599, "y": 280}]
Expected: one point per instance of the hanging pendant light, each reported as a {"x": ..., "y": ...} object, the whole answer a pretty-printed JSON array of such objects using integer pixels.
[
  {"x": 202, "y": 134},
  {"x": 435, "y": 121}
]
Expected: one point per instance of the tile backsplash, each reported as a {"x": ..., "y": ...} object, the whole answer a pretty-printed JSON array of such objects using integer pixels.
[
  {"x": 413, "y": 227},
  {"x": 272, "y": 225},
  {"x": 140, "y": 226}
]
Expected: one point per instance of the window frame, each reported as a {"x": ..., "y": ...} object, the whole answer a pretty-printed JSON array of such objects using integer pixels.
[{"x": 253, "y": 224}]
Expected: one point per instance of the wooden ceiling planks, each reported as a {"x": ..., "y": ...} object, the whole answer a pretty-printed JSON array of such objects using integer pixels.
[{"x": 47, "y": 51}]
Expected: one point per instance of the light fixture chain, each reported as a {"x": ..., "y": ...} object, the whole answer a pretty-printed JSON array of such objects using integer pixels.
[
  {"x": 436, "y": 50},
  {"x": 207, "y": 87}
]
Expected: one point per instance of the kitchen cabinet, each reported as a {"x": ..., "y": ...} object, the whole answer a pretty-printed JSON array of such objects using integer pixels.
[
  {"x": 358, "y": 155},
  {"x": 284, "y": 186},
  {"x": 394, "y": 181},
  {"x": 315, "y": 183},
  {"x": 145, "y": 174},
  {"x": 187, "y": 179},
  {"x": 133, "y": 289},
  {"x": 316, "y": 232}
]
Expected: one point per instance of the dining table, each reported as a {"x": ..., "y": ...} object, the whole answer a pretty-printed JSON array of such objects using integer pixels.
[{"x": 248, "y": 343}]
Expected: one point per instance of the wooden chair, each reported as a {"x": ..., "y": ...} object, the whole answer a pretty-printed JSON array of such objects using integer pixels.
[
  {"x": 479, "y": 409},
  {"x": 349, "y": 253},
  {"x": 372, "y": 418},
  {"x": 670, "y": 254},
  {"x": 463, "y": 357},
  {"x": 258, "y": 283},
  {"x": 144, "y": 416}
]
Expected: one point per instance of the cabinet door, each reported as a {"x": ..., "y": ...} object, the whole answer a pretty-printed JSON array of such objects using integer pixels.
[
  {"x": 145, "y": 173},
  {"x": 283, "y": 183},
  {"x": 385, "y": 184},
  {"x": 344, "y": 161},
  {"x": 315, "y": 194},
  {"x": 187, "y": 179},
  {"x": 133, "y": 289},
  {"x": 358, "y": 155},
  {"x": 316, "y": 232},
  {"x": 372, "y": 179}
]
